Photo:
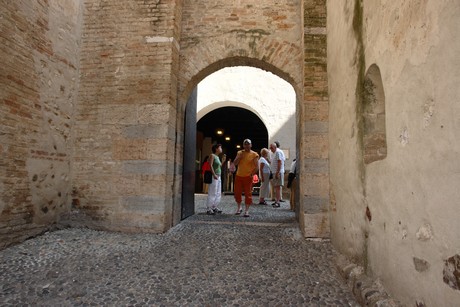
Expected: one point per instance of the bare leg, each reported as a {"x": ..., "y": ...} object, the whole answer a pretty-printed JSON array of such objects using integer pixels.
[
  {"x": 278, "y": 194},
  {"x": 246, "y": 212}
]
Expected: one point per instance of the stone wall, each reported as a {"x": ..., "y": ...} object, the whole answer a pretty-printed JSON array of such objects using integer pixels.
[
  {"x": 396, "y": 212},
  {"x": 140, "y": 60},
  {"x": 312, "y": 120},
  {"x": 256, "y": 33},
  {"x": 99, "y": 139},
  {"x": 39, "y": 77},
  {"x": 125, "y": 133},
  {"x": 250, "y": 33}
]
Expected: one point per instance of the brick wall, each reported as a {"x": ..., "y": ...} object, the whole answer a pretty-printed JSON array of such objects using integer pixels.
[
  {"x": 39, "y": 75},
  {"x": 243, "y": 33},
  {"x": 130, "y": 131},
  {"x": 314, "y": 126},
  {"x": 259, "y": 34},
  {"x": 253, "y": 33},
  {"x": 139, "y": 62},
  {"x": 125, "y": 140}
]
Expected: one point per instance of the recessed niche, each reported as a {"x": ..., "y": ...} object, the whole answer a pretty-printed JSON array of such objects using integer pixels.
[{"x": 374, "y": 128}]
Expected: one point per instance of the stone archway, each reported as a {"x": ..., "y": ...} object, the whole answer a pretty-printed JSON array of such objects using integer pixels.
[
  {"x": 261, "y": 114},
  {"x": 323, "y": 222},
  {"x": 290, "y": 42}
]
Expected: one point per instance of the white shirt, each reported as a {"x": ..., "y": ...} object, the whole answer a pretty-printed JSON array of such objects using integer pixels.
[
  {"x": 293, "y": 166},
  {"x": 282, "y": 154},
  {"x": 278, "y": 155},
  {"x": 266, "y": 165}
]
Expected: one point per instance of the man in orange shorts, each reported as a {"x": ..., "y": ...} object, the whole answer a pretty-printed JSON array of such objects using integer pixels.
[{"x": 246, "y": 160}]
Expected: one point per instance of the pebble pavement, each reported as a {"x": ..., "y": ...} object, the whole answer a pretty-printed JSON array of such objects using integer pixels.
[{"x": 221, "y": 260}]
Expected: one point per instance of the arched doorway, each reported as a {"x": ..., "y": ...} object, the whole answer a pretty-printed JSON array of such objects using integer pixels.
[
  {"x": 235, "y": 124},
  {"x": 265, "y": 112}
]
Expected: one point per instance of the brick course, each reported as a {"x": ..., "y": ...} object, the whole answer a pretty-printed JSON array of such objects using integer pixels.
[
  {"x": 313, "y": 141},
  {"x": 126, "y": 112},
  {"x": 39, "y": 76}
]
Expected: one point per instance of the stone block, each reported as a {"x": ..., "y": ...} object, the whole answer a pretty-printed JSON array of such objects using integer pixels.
[
  {"x": 145, "y": 204},
  {"x": 315, "y": 184},
  {"x": 315, "y": 127},
  {"x": 315, "y": 146},
  {"x": 315, "y": 166},
  {"x": 154, "y": 114},
  {"x": 313, "y": 205},
  {"x": 153, "y": 131},
  {"x": 118, "y": 114},
  {"x": 157, "y": 185},
  {"x": 139, "y": 149},
  {"x": 147, "y": 167},
  {"x": 316, "y": 225},
  {"x": 126, "y": 184},
  {"x": 130, "y": 149}
]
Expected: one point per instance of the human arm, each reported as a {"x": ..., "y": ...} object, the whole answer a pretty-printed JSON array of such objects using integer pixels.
[
  {"x": 211, "y": 161},
  {"x": 238, "y": 157},
  {"x": 261, "y": 171},
  {"x": 256, "y": 165},
  {"x": 277, "y": 160}
]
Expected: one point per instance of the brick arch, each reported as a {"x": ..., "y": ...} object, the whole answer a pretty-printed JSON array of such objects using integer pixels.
[
  {"x": 249, "y": 33},
  {"x": 238, "y": 61},
  {"x": 288, "y": 40}
]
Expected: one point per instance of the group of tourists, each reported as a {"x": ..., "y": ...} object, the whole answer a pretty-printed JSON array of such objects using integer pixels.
[{"x": 247, "y": 164}]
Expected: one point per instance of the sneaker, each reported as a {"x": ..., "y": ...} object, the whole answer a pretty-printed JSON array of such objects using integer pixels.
[
  {"x": 210, "y": 212},
  {"x": 217, "y": 210}
]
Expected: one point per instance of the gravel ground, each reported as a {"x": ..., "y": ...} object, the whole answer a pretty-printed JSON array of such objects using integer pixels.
[{"x": 221, "y": 260}]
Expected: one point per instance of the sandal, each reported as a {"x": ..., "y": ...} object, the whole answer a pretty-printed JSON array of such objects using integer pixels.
[
  {"x": 246, "y": 214},
  {"x": 239, "y": 212},
  {"x": 276, "y": 205},
  {"x": 264, "y": 203}
]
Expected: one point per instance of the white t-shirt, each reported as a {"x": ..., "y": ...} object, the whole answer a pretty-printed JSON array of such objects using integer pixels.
[
  {"x": 278, "y": 155},
  {"x": 266, "y": 165},
  {"x": 282, "y": 154},
  {"x": 293, "y": 167}
]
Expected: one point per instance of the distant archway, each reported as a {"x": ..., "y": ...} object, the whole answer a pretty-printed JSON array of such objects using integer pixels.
[
  {"x": 278, "y": 121},
  {"x": 237, "y": 124}
]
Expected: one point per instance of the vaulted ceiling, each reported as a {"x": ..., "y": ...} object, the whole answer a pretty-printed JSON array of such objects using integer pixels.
[{"x": 239, "y": 124}]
